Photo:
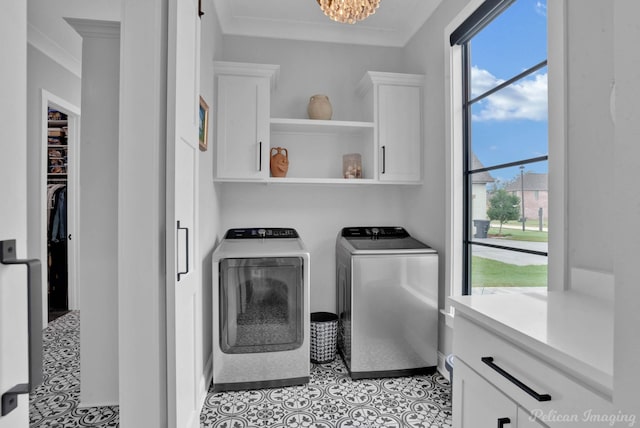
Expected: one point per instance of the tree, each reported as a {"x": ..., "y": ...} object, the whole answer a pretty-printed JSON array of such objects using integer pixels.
[{"x": 503, "y": 206}]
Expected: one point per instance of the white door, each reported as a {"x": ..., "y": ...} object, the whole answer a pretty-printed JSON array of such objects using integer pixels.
[
  {"x": 183, "y": 311},
  {"x": 13, "y": 205}
]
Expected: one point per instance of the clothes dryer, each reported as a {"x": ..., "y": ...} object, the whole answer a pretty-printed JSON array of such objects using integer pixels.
[{"x": 260, "y": 310}]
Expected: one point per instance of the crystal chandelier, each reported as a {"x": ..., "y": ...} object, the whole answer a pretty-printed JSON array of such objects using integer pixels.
[{"x": 348, "y": 11}]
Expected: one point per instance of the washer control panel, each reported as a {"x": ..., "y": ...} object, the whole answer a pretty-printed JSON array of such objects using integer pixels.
[
  {"x": 261, "y": 233},
  {"x": 379, "y": 232}
]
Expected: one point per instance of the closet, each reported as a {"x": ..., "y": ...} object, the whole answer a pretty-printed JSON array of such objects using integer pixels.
[{"x": 57, "y": 164}]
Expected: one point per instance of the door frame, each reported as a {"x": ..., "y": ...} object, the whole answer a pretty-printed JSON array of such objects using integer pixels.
[{"x": 73, "y": 217}]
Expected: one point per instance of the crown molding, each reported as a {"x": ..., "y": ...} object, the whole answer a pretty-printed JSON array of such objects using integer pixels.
[{"x": 51, "y": 49}]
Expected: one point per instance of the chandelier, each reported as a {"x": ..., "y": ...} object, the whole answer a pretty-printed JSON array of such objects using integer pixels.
[{"x": 348, "y": 11}]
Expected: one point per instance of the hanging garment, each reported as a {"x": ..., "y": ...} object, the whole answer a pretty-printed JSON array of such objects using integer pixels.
[
  {"x": 58, "y": 229},
  {"x": 52, "y": 189}
]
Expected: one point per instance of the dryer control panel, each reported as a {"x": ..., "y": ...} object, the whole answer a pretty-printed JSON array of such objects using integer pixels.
[{"x": 261, "y": 233}]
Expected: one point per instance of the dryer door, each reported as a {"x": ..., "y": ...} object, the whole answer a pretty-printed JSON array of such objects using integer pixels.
[{"x": 261, "y": 304}]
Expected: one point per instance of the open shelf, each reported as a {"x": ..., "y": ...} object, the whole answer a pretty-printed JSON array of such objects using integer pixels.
[{"x": 318, "y": 126}]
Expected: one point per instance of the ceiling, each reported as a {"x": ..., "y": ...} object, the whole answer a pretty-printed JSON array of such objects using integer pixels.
[{"x": 393, "y": 24}]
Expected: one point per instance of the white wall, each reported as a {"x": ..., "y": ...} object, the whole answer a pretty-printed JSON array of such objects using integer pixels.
[
  {"x": 626, "y": 173},
  {"x": 42, "y": 73},
  {"x": 308, "y": 68},
  {"x": 317, "y": 212},
  {"x": 98, "y": 209},
  {"x": 142, "y": 216},
  {"x": 590, "y": 74},
  {"x": 427, "y": 207}
]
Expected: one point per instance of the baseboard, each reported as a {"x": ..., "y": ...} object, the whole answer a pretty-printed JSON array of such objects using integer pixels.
[
  {"x": 203, "y": 388},
  {"x": 207, "y": 377},
  {"x": 441, "y": 368},
  {"x": 205, "y": 380},
  {"x": 84, "y": 404}
]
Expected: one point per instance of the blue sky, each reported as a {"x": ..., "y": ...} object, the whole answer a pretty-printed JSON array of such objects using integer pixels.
[{"x": 512, "y": 123}]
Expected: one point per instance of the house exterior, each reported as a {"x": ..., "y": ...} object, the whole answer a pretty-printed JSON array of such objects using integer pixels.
[
  {"x": 592, "y": 44},
  {"x": 536, "y": 194},
  {"x": 479, "y": 190}
]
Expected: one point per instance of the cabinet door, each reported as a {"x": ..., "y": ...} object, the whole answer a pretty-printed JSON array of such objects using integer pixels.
[
  {"x": 477, "y": 403},
  {"x": 525, "y": 420},
  {"x": 242, "y": 127},
  {"x": 400, "y": 133}
]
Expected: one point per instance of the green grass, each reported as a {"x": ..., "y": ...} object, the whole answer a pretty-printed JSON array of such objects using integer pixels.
[
  {"x": 518, "y": 234},
  {"x": 492, "y": 273}
]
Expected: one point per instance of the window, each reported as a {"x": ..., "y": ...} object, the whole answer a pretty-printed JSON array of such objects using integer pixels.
[{"x": 505, "y": 146}]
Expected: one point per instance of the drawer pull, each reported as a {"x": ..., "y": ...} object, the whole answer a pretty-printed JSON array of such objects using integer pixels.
[
  {"x": 540, "y": 397},
  {"x": 503, "y": 421}
]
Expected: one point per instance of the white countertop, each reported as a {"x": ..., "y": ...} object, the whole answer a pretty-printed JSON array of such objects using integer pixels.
[{"x": 570, "y": 330}]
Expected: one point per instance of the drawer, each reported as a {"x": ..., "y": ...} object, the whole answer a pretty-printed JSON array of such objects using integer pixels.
[{"x": 571, "y": 403}]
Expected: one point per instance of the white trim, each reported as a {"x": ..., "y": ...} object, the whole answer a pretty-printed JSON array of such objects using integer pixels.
[
  {"x": 449, "y": 315},
  {"x": 73, "y": 218},
  {"x": 453, "y": 157},
  {"x": 270, "y": 71},
  {"x": 559, "y": 275},
  {"x": 87, "y": 404},
  {"x": 95, "y": 28}
]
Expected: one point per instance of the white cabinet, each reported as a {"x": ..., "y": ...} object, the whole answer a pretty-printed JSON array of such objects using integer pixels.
[
  {"x": 389, "y": 141},
  {"x": 397, "y": 114},
  {"x": 242, "y": 125},
  {"x": 529, "y": 354},
  {"x": 479, "y": 404}
]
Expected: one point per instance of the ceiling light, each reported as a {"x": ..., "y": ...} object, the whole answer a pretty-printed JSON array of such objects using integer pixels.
[{"x": 348, "y": 11}]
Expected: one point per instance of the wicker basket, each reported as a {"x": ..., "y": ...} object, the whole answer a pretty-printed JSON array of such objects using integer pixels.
[{"x": 324, "y": 337}]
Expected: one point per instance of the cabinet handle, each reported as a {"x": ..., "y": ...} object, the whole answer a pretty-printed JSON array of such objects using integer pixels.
[
  {"x": 186, "y": 249},
  {"x": 384, "y": 159},
  {"x": 503, "y": 421},
  {"x": 260, "y": 156},
  {"x": 34, "y": 323},
  {"x": 540, "y": 397}
]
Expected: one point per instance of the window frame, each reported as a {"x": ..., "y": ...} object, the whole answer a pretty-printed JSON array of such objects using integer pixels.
[{"x": 462, "y": 36}]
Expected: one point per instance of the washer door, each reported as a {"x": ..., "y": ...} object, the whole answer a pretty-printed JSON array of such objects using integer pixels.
[{"x": 261, "y": 304}]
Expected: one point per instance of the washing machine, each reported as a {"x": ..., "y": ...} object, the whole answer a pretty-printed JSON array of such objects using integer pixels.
[
  {"x": 387, "y": 302},
  {"x": 260, "y": 309}
]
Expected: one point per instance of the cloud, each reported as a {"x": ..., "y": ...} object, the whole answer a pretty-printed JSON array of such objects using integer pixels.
[
  {"x": 525, "y": 99},
  {"x": 541, "y": 8}
]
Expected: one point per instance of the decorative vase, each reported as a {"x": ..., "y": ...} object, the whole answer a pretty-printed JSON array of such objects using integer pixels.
[
  {"x": 279, "y": 162},
  {"x": 319, "y": 107}
]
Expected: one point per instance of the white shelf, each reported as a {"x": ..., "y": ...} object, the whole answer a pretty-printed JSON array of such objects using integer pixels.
[
  {"x": 319, "y": 126},
  {"x": 302, "y": 180}
]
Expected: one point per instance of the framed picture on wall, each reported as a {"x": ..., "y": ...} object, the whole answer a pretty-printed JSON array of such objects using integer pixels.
[{"x": 203, "y": 125}]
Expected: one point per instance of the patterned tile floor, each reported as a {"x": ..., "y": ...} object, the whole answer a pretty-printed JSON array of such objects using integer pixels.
[
  {"x": 55, "y": 402},
  {"x": 331, "y": 399}
]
